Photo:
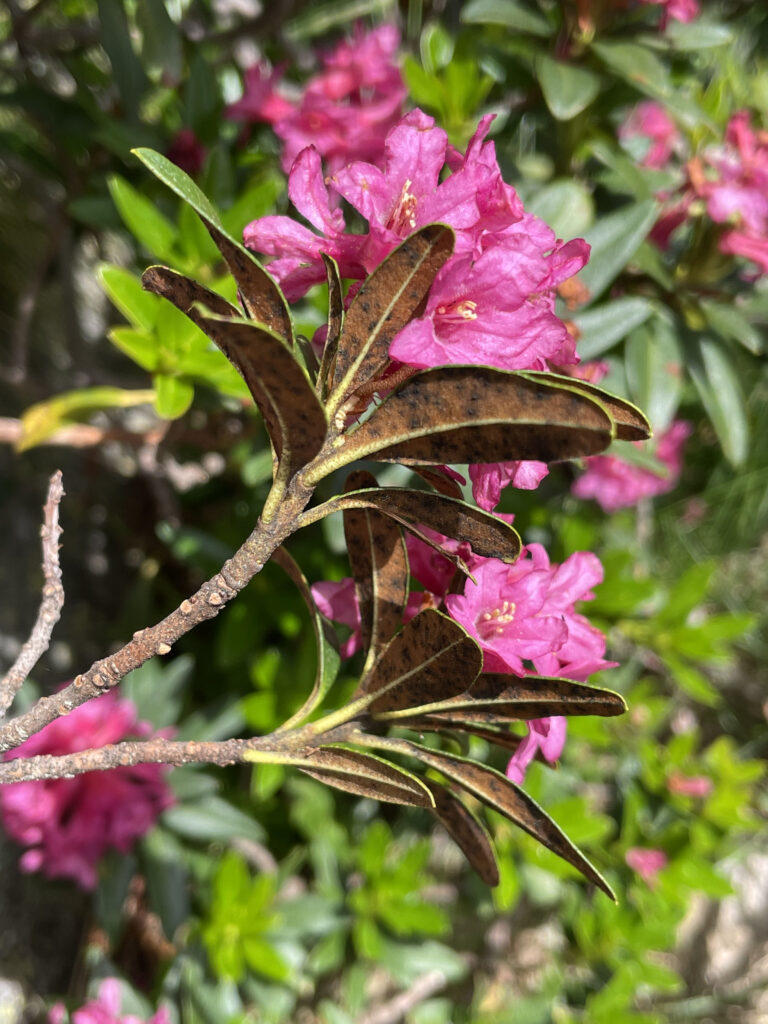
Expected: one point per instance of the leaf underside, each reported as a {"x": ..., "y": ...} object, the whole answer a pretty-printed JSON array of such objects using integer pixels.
[
  {"x": 466, "y": 831},
  {"x": 366, "y": 775},
  {"x": 631, "y": 422},
  {"x": 335, "y": 323}
]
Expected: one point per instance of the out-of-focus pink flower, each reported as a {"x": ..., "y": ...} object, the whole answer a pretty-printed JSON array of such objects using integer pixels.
[
  {"x": 615, "y": 484},
  {"x": 647, "y": 863},
  {"x": 689, "y": 785},
  {"x": 677, "y": 10},
  {"x": 338, "y": 601},
  {"x": 69, "y": 824},
  {"x": 490, "y": 479},
  {"x": 346, "y": 108},
  {"x": 650, "y": 120},
  {"x": 187, "y": 152},
  {"x": 105, "y": 1009},
  {"x": 544, "y": 734}
]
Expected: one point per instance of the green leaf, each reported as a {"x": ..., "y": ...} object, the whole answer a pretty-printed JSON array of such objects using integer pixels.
[
  {"x": 730, "y": 323},
  {"x": 691, "y": 680},
  {"x": 567, "y": 89},
  {"x": 212, "y": 820},
  {"x": 127, "y": 72},
  {"x": 654, "y": 368},
  {"x": 386, "y": 302},
  {"x": 168, "y": 883},
  {"x": 328, "y": 659},
  {"x": 474, "y": 414},
  {"x": 140, "y": 347},
  {"x": 126, "y": 292},
  {"x": 602, "y": 326},
  {"x": 173, "y": 396},
  {"x": 697, "y": 35},
  {"x": 614, "y": 239},
  {"x": 143, "y": 219},
  {"x": 566, "y": 205},
  {"x": 43, "y": 419},
  {"x": 160, "y": 40},
  {"x": 508, "y": 13},
  {"x": 719, "y": 388},
  {"x": 436, "y": 46}
]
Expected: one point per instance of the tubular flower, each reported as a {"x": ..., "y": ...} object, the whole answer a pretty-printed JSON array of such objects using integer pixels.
[
  {"x": 68, "y": 825},
  {"x": 104, "y": 1009}
]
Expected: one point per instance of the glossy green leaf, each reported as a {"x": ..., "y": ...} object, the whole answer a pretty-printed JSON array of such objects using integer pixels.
[
  {"x": 718, "y": 385},
  {"x": 126, "y": 70},
  {"x": 126, "y": 292},
  {"x": 160, "y": 40},
  {"x": 474, "y": 414},
  {"x": 211, "y": 819},
  {"x": 328, "y": 659},
  {"x": 388, "y": 299},
  {"x": 614, "y": 240},
  {"x": 173, "y": 396},
  {"x": 730, "y": 323},
  {"x": 140, "y": 347},
  {"x": 566, "y": 205},
  {"x": 143, "y": 219},
  {"x": 654, "y": 368},
  {"x": 508, "y": 13},
  {"x": 602, "y": 326},
  {"x": 697, "y": 35},
  {"x": 43, "y": 419},
  {"x": 567, "y": 88}
]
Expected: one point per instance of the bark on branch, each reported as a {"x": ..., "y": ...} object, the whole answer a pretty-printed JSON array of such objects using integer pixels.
[{"x": 50, "y": 605}]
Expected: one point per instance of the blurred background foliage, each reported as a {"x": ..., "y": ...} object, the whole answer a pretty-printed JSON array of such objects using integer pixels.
[{"x": 262, "y": 895}]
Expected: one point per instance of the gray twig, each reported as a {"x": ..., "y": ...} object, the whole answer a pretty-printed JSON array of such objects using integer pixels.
[
  {"x": 396, "y": 1008},
  {"x": 52, "y": 601}
]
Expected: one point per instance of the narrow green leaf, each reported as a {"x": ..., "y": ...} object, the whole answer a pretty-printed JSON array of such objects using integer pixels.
[
  {"x": 631, "y": 423},
  {"x": 143, "y": 219},
  {"x": 173, "y": 396},
  {"x": 328, "y": 659},
  {"x": 160, "y": 40},
  {"x": 566, "y": 205},
  {"x": 261, "y": 295},
  {"x": 602, "y": 326},
  {"x": 43, "y": 419},
  {"x": 718, "y": 385},
  {"x": 126, "y": 292},
  {"x": 567, "y": 88},
  {"x": 474, "y": 414},
  {"x": 614, "y": 240},
  {"x": 388, "y": 299},
  {"x": 732, "y": 324},
  {"x": 140, "y": 347},
  {"x": 379, "y": 563},
  {"x": 488, "y": 535},
  {"x": 466, "y": 831},
  {"x": 654, "y": 367},
  {"x": 432, "y": 658},
  {"x": 127, "y": 72},
  {"x": 509, "y": 13}
]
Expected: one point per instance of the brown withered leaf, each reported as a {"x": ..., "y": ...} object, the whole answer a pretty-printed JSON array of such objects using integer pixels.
[
  {"x": 280, "y": 387},
  {"x": 431, "y": 658},
  {"x": 185, "y": 294},
  {"x": 388, "y": 299},
  {"x": 488, "y": 535},
  {"x": 501, "y": 794},
  {"x": 475, "y": 414},
  {"x": 262, "y": 298},
  {"x": 631, "y": 423},
  {"x": 499, "y": 737},
  {"x": 335, "y": 324},
  {"x": 366, "y": 775},
  {"x": 466, "y": 831},
  {"x": 379, "y": 563},
  {"x": 442, "y": 483},
  {"x": 503, "y": 698}
]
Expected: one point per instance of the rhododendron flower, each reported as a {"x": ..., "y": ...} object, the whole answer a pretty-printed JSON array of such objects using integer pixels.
[
  {"x": 647, "y": 863},
  {"x": 105, "y": 1009},
  {"x": 616, "y": 484},
  {"x": 69, "y": 824},
  {"x": 650, "y": 121},
  {"x": 677, "y": 10},
  {"x": 544, "y": 734},
  {"x": 489, "y": 479},
  {"x": 689, "y": 785},
  {"x": 345, "y": 110}
]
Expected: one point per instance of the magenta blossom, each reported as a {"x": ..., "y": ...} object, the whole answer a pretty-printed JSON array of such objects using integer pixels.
[
  {"x": 105, "y": 1009},
  {"x": 490, "y": 479},
  {"x": 646, "y": 862},
  {"x": 69, "y": 824},
  {"x": 616, "y": 484},
  {"x": 345, "y": 110},
  {"x": 650, "y": 121},
  {"x": 677, "y": 10},
  {"x": 544, "y": 734}
]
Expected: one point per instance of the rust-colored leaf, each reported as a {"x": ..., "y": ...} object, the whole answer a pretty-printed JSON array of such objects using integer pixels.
[
  {"x": 503, "y": 698},
  {"x": 379, "y": 563},
  {"x": 439, "y": 480},
  {"x": 499, "y": 737},
  {"x": 631, "y": 422},
  {"x": 502, "y": 795},
  {"x": 431, "y": 658},
  {"x": 475, "y": 414},
  {"x": 185, "y": 293},
  {"x": 262, "y": 298},
  {"x": 388, "y": 299},
  {"x": 488, "y": 535},
  {"x": 291, "y": 410},
  {"x": 466, "y": 831},
  {"x": 335, "y": 324},
  {"x": 366, "y": 775}
]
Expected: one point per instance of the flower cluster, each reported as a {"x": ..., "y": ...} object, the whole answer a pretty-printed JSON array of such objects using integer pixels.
[
  {"x": 104, "y": 1009},
  {"x": 69, "y": 824},
  {"x": 616, "y": 484},
  {"x": 521, "y": 615},
  {"x": 345, "y": 109}
]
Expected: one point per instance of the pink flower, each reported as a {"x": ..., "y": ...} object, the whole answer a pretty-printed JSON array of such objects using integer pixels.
[
  {"x": 345, "y": 110},
  {"x": 647, "y": 863},
  {"x": 489, "y": 479},
  {"x": 615, "y": 484},
  {"x": 105, "y": 1009},
  {"x": 544, "y": 734},
  {"x": 689, "y": 785},
  {"x": 69, "y": 824},
  {"x": 677, "y": 10},
  {"x": 651, "y": 121},
  {"x": 338, "y": 602}
]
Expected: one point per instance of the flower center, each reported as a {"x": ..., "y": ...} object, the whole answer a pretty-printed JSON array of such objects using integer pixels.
[
  {"x": 458, "y": 312},
  {"x": 492, "y": 623},
  {"x": 403, "y": 216}
]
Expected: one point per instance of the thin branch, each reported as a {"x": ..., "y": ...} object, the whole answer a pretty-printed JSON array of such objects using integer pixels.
[
  {"x": 205, "y": 604},
  {"x": 51, "y": 604},
  {"x": 396, "y": 1008}
]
